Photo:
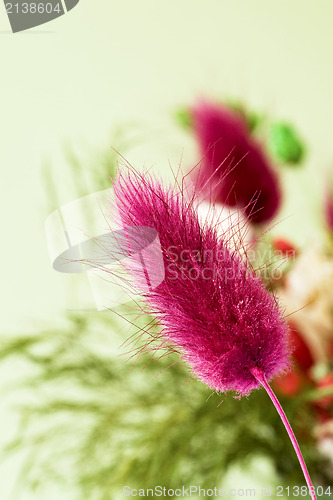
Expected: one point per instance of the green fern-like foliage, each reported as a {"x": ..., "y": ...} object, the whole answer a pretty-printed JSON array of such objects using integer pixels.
[{"x": 102, "y": 420}]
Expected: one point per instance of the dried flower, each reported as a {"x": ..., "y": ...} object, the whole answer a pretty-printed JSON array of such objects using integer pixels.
[
  {"x": 234, "y": 169},
  {"x": 211, "y": 305},
  {"x": 329, "y": 209}
]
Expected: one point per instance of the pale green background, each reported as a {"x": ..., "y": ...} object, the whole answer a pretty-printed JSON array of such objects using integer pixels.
[{"x": 109, "y": 61}]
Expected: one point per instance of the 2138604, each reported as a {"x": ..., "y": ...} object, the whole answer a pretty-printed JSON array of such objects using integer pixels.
[
  {"x": 33, "y": 8},
  {"x": 303, "y": 491}
]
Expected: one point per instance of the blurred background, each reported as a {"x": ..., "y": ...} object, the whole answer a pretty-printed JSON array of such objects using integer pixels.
[{"x": 112, "y": 74}]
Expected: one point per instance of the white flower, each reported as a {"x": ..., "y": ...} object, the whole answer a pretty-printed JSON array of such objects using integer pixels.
[
  {"x": 228, "y": 222},
  {"x": 308, "y": 293}
]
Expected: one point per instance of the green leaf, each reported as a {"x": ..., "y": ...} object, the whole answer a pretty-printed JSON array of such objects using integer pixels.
[
  {"x": 184, "y": 118},
  {"x": 285, "y": 144}
]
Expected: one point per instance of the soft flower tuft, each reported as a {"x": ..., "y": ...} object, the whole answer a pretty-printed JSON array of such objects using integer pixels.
[
  {"x": 234, "y": 170},
  {"x": 212, "y": 307}
]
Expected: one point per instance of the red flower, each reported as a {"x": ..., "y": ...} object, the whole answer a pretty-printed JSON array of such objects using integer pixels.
[
  {"x": 325, "y": 402},
  {"x": 301, "y": 352},
  {"x": 284, "y": 246},
  {"x": 291, "y": 383}
]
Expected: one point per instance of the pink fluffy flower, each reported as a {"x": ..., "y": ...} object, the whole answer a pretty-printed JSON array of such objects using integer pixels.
[
  {"x": 329, "y": 209},
  {"x": 212, "y": 307},
  {"x": 234, "y": 169}
]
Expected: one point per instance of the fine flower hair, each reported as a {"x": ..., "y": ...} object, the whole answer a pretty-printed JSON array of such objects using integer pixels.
[{"x": 212, "y": 306}]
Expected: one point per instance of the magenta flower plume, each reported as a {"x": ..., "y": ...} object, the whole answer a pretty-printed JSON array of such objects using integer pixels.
[
  {"x": 234, "y": 169},
  {"x": 329, "y": 209},
  {"x": 211, "y": 306}
]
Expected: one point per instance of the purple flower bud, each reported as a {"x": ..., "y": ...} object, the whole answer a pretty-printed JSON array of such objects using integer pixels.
[
  {"x": 212, "y": 306},
  {"x": 329, "y": 209},
  {"x": 234, "y": 169}
]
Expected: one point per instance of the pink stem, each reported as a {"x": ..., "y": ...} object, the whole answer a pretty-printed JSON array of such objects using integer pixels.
[{"x": 260, "y": 376}]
